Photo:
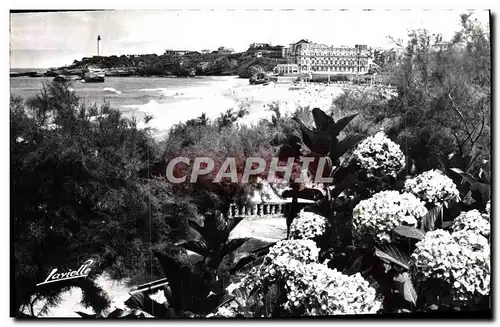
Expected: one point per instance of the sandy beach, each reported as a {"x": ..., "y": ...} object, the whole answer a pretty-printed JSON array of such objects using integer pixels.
[{"x": 232, "y": 93}]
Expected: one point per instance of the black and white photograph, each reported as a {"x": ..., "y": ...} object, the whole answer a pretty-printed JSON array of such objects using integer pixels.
[{"x": 250, "y": 164}]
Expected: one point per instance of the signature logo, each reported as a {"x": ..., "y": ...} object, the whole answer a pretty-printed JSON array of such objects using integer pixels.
[{"x": 83, "y": 271}]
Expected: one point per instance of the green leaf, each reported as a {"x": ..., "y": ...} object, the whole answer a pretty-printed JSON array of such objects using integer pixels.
[
  {"x": 464, "y": 175},
  {"x": 341, "y": 124},
  {"x": 141, "y": 301},
  {"x": 82, "y": 314},
  {"x": 196, "y": 227},
  {"x": 391, "y": 253},
  {"x": 307, "y": 133},
  {"x": 187, "y": 283},
  {"x": 347, "y": 144},
  {"x": 483, "y": 189},
  {"x": 199, "y": 247},
  {"x": 485, "y": 172},
  {"x": 447, "y": 224},
  {"x": 226, "y": 298},
  {"x": 405, "y": 287},
  {"x": 428, "y": 222},
  {"x": 356, "y": 265},
  {"x": 242, "y": 263},
  {"x": 233, "y": 245},
  {"x": 409, "y": 232},
  {"x": 322, "y": 120},
  {"x": 232, "y": 223}
]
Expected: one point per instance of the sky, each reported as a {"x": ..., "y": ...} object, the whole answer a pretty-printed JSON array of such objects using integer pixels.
[{"x": 50, "y": 39}]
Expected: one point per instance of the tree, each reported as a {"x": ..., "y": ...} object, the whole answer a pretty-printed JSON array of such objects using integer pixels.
[{"x": 76, "y": 194}]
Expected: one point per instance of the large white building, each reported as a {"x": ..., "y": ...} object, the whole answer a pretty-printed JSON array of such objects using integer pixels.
[{"x": 320, "y": 58}]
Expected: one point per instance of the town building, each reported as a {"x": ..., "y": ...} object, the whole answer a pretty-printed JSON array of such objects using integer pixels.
[
  {"x": 320, "y": 58},
  {"x": 176, "y": 53},
  {"x": 286, "y": 69},
  {"x": 259, "y": 45},
  {"x": 266, "y": 50},
  {"x": 225, "y": 50},
  {"x": 205, "y": 51}
]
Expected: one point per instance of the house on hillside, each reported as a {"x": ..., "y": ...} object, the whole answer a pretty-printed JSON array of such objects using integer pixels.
[
  {"x": 176, "y": 53},
  {"x": 224, "y": 50}
]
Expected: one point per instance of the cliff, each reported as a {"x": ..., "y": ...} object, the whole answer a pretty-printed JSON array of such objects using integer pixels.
[{"x": 211, "y": 64}]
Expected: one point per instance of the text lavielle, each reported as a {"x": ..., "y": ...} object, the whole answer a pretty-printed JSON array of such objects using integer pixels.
[{"x": 83, "y": 271}]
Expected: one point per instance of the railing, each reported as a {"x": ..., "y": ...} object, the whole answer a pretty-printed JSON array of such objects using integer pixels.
[{"x": 259, "y": 209}]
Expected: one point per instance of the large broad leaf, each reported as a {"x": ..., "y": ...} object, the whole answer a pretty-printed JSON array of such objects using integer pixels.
[
  {"x": 484, "y": 191},
  {"x": 405, "y": 287},
  {"x": 356, "y": 265},
  {"x": 447, "y": 224},
  {"x": 347, "y": 144},
  {"x": 226, "y": 298},
  {"x": 307, "y": 194},
  {"x": 485, "y": 172},
  {"x": 143, "y": 302},
  {"x": 197, "y": 227},
  {"x": 430, "y": 220},
  {"x": 468, "y": 177},
  {"x": 391, "y": 253},
  {"x": 242, "y": 263},
  {"x": 232, "y": 223},
  {"x": 322, "y": 120},
  {"x": 199, "y": 247},
  {"x": 81, "y": 314},
  {"x": 307, "y": 133},
  {"x": 408, "y": 232},
  {"x": 341, "y": 124},
  {"x": 187, "y": 283},
  {"x": 233, "y": 245}
]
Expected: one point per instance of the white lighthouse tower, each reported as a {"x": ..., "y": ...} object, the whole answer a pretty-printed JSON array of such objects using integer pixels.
[{"x": 98, "y": 45}]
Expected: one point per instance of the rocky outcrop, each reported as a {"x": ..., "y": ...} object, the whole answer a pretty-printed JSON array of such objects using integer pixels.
[{"x": 210, "y": 64}]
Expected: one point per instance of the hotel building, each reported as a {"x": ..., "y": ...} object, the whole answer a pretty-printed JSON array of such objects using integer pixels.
[{"x": 320, "y": 58}]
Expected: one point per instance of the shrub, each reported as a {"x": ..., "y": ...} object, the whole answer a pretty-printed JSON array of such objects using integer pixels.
[
  {"x": 474, "y": 221},
  {"x": 433, "y": 187},
  {"x": 307, "y": 225},
  {"x": 461, "y": 260},
  {"x": 379, "y": 156},
  {"x": 377, "y": 216}
]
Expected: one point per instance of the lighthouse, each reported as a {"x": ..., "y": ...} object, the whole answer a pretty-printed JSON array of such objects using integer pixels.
[{"x": 98, "y": 44}]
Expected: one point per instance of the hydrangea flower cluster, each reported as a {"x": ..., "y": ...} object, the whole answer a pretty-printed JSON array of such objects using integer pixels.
[
  {"x": 377, "y": 216},
  {"x": 432, "y": 187},
  {"x": 461, "y": 259},
  {"x": 379, "y": 156},
  {"x": 223, "y": 312},
  {"x": 277, "y": 260},
  {"x": 474, "y": 221},
  {"x": 314, "y": 290},
  {"x": 307, "y": 225}
]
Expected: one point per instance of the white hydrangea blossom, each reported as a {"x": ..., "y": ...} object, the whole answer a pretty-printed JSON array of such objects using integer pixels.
[
  {"x": 223, "y": 312},
  {"x": 377, "y": 216},
  {"x": 307, "y": 225},
  {"x": 432, "y": 187},
  {"x": 474, "y": 221},
  {"x": 379, "y": 156},
  {"x": 312, "y": 288},
  {"x": 461, "y": 259},
  {"x": 488, "y": 207},
  {"x": 299, "y": 250},
  {"x": 315, "y": 290}
]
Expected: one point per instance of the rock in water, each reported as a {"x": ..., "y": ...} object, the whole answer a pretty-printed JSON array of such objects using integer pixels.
[{"x": 60, "y": 78}]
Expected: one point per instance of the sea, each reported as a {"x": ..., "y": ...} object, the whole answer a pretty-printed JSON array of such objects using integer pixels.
[{"x": 169, "y": 100}]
